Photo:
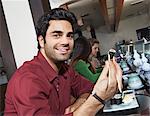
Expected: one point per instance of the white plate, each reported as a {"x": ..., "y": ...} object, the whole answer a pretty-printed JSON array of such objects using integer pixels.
[{"x": 123, "y": 106}]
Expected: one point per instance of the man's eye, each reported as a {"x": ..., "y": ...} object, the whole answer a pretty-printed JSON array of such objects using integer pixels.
[
  {"x": 70, "y": 36},
  {"x": 57, "y": 35}
]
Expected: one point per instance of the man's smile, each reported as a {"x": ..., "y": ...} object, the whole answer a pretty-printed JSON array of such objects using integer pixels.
[{"x": 63, "y": 50}]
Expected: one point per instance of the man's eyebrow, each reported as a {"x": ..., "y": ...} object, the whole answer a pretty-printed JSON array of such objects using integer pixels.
[
  {"x": 57, "y": 32},
  {"x": 62, "y": 32},
  {"x": 71, "y": 33}
]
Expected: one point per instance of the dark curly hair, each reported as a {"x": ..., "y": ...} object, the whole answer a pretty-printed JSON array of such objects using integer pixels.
[{"x": 54, "y": 14}]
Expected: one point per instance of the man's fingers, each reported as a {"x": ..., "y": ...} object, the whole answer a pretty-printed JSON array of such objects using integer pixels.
[
  {"x": 119, "y": 71},
  {"x": 102, "y": 82},
  {"x": 68, "y": 110},
  {"x": 104, "y": 73},
  {"x": 112, "y": 74},
  {"x": 118, "y": 75}
]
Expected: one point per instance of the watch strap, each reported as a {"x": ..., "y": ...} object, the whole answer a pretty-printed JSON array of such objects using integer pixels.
[{"x": 98, "y": 98}]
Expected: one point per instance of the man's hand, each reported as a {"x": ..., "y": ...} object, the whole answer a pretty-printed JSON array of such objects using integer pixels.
[
  {"x": 76, "y": 103},
  {"x": 109, "y": 80},
  {"x": 105, "y": 87}
]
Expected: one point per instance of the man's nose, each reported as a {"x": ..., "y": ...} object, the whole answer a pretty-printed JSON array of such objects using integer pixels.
[
  {"x": 65, "y": 40},
  {"x": 97, "y": 50}
]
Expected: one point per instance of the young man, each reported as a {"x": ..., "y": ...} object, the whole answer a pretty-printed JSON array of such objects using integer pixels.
[{"x": 44, "y": 85}]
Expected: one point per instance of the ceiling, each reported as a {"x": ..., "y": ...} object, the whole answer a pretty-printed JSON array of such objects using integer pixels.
[
  {"x": 107, "y": 13},
  {"x": 135, "y": 7},
  {"x": 89, "y": 11}
]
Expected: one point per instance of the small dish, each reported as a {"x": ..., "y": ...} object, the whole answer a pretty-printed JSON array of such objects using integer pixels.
[{"x": 138, "y": 87}]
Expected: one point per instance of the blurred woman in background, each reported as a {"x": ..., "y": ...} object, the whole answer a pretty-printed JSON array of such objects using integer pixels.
[
  {"x": 94, "y": 54},
  {"x": 80, "y": 59}
]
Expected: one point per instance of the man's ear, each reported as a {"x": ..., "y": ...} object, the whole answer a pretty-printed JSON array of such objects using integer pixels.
[{"x": 41, "y": 41}]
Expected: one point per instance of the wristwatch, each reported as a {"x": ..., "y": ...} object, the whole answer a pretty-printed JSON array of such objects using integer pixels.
[{"x": 97, "y": 97}]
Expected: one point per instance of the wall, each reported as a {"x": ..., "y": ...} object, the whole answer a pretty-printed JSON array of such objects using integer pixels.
[
  {"x": 5, "y": 46},
  {"x": 126, "y": 31},
  {"x": 21, "y": 29},
  {"x": 57, "y": 3},
  {"x": 38, "y": 8}
]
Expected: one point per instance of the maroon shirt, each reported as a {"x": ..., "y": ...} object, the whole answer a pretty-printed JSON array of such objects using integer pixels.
[{"x": 36, "y": 89}]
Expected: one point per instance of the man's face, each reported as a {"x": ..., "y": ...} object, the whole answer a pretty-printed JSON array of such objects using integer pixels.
[
  {"x": 59, "y": 40},
  {"x": 95, "y": 49}
]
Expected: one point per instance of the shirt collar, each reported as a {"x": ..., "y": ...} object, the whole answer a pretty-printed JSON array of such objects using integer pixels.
[{"x": 48, "y": 70}]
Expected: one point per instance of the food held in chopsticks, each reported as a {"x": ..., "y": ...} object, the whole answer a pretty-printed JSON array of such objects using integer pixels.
[{"x": 111, "y": 54}]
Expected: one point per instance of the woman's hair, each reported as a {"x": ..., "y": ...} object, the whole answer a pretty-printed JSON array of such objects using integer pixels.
[
  {"x": 81, "y": 51},
  {"x": 54, "y": 14},
  {"x": 93, "y": 41}
]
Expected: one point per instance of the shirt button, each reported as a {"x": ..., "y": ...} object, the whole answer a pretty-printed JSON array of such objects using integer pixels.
[{"x": 57, "y": 87}]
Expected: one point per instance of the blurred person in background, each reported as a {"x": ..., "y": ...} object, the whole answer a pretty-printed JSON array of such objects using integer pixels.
[
  {"x": 80, "y": 59},
  {"x": 93, "y": 57}
]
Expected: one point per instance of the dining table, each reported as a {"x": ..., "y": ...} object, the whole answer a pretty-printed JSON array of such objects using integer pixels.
[{"x": 143, "y": 109}]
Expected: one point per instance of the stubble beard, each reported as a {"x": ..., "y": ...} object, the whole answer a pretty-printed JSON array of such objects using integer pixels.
[{"x": 54, "y": 57}]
